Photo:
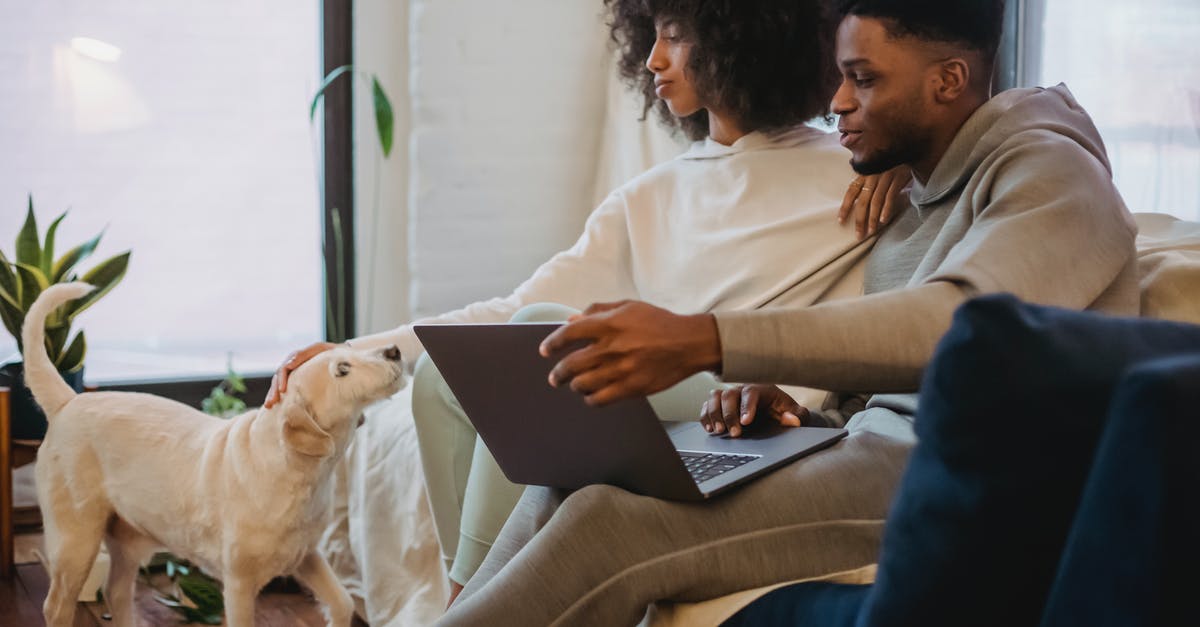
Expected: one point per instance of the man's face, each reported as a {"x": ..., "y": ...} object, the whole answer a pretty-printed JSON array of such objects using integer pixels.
[{"x": 885, "y": 99}]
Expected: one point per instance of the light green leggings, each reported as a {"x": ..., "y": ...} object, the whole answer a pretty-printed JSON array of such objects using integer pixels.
[{"x": 470, "y": 497}]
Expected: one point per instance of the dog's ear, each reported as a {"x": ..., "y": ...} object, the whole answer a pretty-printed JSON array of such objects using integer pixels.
[{"x": 303, "y": 433}]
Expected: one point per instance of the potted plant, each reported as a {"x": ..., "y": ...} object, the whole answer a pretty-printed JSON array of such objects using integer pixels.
[{"x": 24, "y": 276}]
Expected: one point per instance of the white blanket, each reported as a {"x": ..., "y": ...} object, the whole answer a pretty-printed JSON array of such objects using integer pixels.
[{"x": 381, "y": 541}]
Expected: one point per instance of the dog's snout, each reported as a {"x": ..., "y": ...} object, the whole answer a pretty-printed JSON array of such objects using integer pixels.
[{"x": 391, "y": 353}]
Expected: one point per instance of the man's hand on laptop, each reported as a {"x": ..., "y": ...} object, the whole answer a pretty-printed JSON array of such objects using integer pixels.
[
  {"x": 734, "y": 409},
  {"x": 627, "y": 349}
]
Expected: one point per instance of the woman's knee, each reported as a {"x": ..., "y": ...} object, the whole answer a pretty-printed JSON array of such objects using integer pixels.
[
  {"x": 543, "y": 312},
  {"x": 428, "y": 386}
]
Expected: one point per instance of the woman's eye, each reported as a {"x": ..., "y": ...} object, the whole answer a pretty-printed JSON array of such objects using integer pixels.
[{"x": 863, "y": 81}]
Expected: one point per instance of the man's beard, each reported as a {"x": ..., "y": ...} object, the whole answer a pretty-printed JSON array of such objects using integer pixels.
[
  {"x": 906, "y": 147},
  {"x": 884, "y": 160}
]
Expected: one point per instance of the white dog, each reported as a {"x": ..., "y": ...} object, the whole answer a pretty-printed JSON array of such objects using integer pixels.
[{"x": 244, "y": 498}]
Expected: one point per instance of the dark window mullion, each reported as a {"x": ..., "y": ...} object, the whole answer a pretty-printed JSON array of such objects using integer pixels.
[{"x": 338, "y": 171}]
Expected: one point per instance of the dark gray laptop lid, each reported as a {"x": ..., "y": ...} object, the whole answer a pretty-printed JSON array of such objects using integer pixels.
[{"x": 541, "y": 435}]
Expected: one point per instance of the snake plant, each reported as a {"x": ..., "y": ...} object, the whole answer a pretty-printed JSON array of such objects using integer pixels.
[{"x": 33, "y": 268}]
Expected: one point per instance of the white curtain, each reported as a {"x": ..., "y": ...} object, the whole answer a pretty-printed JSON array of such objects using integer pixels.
[{"x": 1135, "y": 67}]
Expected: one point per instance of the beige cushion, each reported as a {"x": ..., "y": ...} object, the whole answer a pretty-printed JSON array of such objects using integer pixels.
[
  {"x": 717, "y": 611},
  {"x": 1169, "y": 267}
]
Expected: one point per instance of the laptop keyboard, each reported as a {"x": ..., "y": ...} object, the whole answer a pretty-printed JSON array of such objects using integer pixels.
[{"x": 704, "y": 466}]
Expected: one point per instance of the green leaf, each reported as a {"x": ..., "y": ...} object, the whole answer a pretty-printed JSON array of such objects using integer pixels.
[
  {"x": 29, "y": 251},
  {"x": 32, "y": 283},
  {"x": 72, "y": 358},
  {"x": 203, "y": 591},
  {"x": 329, "y": 78},
  {"x": 5, "y": 296},
  {"x": 47, "y": 264},
  {"x": 384, "y": 119},
  {"x": 8, "y": 282},
  {"x": 74, "y": 256},
  {"x": 105, "y": 276},
  {"x": 12, "y": 318},
  {"x": 56, "y": 341}
]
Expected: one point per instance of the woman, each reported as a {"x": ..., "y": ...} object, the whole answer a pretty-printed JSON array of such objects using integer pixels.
[{"x": 748, "y": 217}]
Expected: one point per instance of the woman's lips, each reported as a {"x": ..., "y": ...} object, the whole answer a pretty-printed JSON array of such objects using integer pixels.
[{"x": 661, "y": 88}]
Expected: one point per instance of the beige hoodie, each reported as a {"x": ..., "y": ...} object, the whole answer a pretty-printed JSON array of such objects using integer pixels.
[{"x": 1022, "y": 202}]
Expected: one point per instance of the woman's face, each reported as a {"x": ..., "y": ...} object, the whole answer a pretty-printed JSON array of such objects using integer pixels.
[{"x": 668, "y": 61}]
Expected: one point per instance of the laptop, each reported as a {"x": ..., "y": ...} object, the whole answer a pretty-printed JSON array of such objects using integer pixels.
[{"x": 541, "y": 435}]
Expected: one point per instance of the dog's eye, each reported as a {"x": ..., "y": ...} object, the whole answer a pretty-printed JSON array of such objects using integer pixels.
[{"x": 343, "y": 368}]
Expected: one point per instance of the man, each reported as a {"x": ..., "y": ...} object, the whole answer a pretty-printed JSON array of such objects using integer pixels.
[{"x": 1011, "y": 194}]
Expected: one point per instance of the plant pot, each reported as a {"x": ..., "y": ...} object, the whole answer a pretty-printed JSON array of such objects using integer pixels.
[{"x": 28, "y": 421}]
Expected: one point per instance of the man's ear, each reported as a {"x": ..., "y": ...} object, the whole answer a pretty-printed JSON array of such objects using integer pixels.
[
  {"x": 954, "y": 78},
  {"x": 302, "y": 433}
]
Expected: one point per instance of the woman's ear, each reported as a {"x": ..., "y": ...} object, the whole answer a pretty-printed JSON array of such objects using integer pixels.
[{"x": 301, "y": 431}]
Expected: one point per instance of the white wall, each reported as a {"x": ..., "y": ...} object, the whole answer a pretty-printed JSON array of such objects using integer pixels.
[
  {"x": 507, "y": 100},
  {"x": 381, "y": 185}
]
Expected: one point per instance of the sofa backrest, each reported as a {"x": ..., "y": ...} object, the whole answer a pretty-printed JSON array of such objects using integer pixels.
[{"x": 1169, "y": 267}]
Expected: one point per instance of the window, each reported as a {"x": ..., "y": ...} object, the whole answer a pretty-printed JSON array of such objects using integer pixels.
[
  {"x": 182, "y": 130},
  {"x": 1133, "y": 66}
]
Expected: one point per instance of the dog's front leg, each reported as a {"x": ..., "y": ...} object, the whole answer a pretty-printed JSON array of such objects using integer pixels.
[
  {"x": 240, "y": 594},
  {"x": 315, "y": 573}
]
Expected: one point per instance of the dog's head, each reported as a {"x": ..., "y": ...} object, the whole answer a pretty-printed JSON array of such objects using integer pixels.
[{"x": 327, "y": 394}]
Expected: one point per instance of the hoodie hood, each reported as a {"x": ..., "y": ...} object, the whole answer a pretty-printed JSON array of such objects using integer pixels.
[
  {"x": 708, "y": 148},
  {"x": 1002, "y": 119}
]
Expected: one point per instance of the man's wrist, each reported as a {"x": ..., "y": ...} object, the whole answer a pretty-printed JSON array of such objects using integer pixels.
[{"x": 706, "y": 348}]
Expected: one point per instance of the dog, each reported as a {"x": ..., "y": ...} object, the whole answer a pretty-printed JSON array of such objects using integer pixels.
[{"x": 244, "y": 498}]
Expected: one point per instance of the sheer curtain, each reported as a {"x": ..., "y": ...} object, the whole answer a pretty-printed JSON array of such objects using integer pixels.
[{"x": 1135, "y": 67}]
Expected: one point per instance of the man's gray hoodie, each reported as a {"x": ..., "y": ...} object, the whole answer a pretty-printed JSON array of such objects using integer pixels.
[{"x": 1022, "y": 202}]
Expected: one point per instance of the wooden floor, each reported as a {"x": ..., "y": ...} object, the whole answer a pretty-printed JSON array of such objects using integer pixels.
[{"x": 21, "y": 605}]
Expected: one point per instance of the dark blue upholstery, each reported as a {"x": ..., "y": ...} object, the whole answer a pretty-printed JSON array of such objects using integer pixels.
[
  {"x": 1013, "y": 410},
  {"x": 1133, "y": 552}
]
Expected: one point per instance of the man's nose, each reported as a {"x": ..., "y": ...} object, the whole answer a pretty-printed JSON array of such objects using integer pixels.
[{"x": 843, "y": 100}]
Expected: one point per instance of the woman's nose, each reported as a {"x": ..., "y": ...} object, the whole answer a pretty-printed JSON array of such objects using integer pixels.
[{"x": 657, "y": 61}]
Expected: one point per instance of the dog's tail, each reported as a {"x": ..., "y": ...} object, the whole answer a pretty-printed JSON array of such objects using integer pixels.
[{"x": 41, "y": 376}]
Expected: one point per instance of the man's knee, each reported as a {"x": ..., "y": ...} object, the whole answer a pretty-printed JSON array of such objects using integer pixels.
[
  {"x": 544, "y": 312},
  {"x": 600, "y": 502}
]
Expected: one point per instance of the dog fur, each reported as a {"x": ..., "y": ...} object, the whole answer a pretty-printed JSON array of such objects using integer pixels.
[{"x": 244, "y": 498}]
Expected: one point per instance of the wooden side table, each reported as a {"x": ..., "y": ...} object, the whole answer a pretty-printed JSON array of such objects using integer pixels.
[
  {"x": 13, "y": 454},
  {"x": 7, "y": 558}
]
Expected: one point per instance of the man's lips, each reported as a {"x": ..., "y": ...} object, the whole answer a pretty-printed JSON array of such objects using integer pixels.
[{"x": 849, "y": 137}]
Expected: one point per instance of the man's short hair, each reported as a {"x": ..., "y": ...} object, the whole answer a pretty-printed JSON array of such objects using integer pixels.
[{"x": 973, "y": 24}]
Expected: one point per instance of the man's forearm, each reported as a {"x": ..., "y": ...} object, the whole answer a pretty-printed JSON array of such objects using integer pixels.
[{"x": 878, "y": 343}]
